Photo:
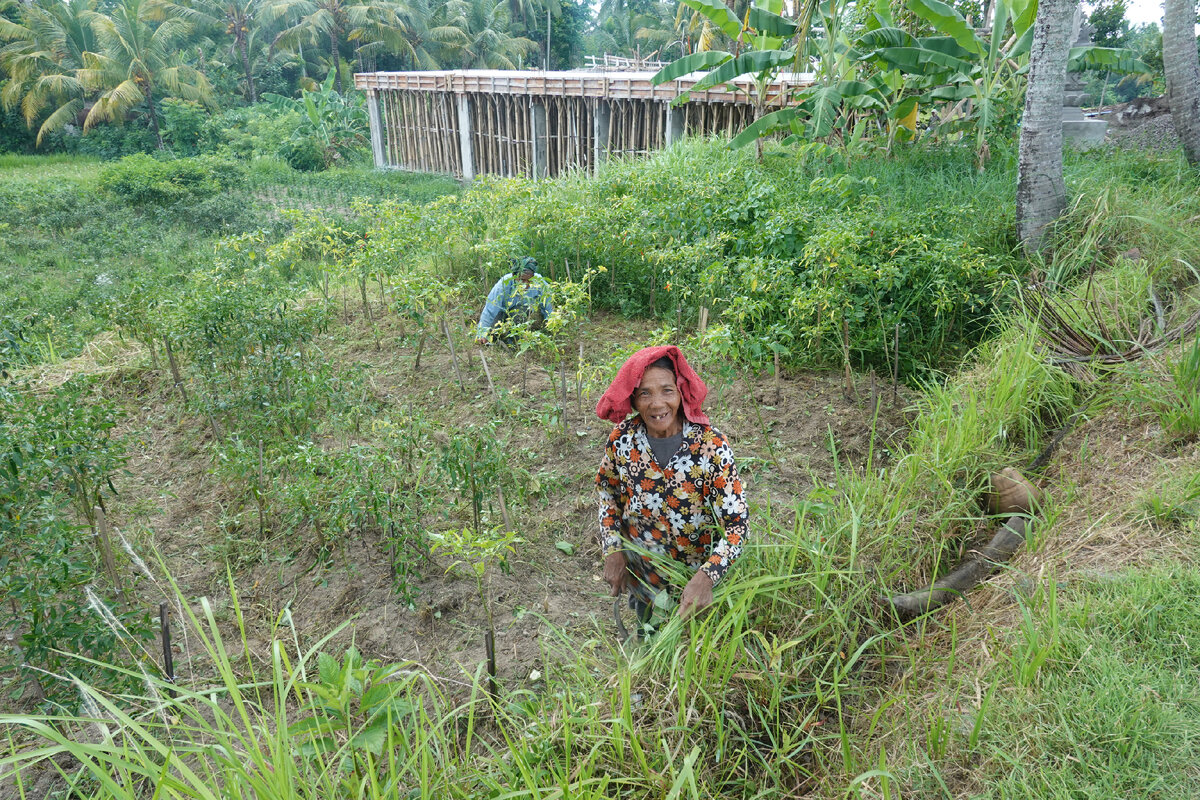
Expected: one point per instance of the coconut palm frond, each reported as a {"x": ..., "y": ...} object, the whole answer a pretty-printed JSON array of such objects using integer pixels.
[{"x": 62, "y": 115}]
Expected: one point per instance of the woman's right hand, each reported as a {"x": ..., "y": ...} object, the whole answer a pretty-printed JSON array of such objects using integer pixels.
[{"x": 616, "y": 573}]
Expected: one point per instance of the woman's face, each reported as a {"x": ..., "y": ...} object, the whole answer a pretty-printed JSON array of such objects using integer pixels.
[{"x": 657, "y": 399}]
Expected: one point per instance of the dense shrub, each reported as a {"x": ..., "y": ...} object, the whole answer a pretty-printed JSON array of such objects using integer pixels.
[
  {"x": 802, "y": 255},
  {"x": 142, "y": 179},
  {"x": 184, "y": 127},
  {"x": 303, "y": 155},
  {"x": 108, "y": 142},
  {"x": 250, "y": 132}
]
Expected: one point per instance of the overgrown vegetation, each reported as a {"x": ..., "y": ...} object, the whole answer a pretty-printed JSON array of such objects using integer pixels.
[{"x": 795, "y": 684}]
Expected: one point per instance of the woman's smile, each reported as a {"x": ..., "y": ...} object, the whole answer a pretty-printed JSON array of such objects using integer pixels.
[{"x": 658, "y": 400}]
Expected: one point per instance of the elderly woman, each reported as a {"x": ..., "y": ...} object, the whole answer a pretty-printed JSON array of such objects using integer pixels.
[{"x": 667, "y": 485}]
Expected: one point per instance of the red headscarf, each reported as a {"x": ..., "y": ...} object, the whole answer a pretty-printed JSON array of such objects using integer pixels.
[{"x": 614, "y": 405}]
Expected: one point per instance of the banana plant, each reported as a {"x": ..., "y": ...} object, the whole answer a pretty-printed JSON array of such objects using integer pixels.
[
  {"x": 960, "y": 64},
  {"x": 759, "y": 48},
  {"x": 815, "y": 37}
]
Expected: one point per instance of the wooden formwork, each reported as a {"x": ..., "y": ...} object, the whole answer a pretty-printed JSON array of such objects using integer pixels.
[{"x": 509, "y": 123}]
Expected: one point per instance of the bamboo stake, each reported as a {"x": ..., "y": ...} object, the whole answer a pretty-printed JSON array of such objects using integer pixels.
[
  {"x": 703, "y": 319},
  {"x": 579, "y": 382}
]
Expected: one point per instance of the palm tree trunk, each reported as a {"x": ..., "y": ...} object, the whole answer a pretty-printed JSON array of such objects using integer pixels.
[
  {"x": 154, "y": 116},
  {"x": 243, "y": 48},
  {"x": 334, "y": 36},
  {"x": 1041, "y": 192},
  {"x": 1183, "y": 73}
]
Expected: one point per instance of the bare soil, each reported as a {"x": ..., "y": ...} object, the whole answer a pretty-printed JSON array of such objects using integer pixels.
[{"x": 786, "y": 434}]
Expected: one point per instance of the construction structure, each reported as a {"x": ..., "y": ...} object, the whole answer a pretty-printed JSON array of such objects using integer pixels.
[{"x": 543, "y": 124}]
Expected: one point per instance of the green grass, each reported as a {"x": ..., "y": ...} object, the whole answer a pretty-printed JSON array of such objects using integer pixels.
[
  {"x": 1113, "y": 713},
  {"x": 71, "y": 252}
]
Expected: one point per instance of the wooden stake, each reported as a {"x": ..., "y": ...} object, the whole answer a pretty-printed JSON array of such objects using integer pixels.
[
  {"x": 164, "y": 627},
  {"x": 508, "y": 526},
  {"x": 104, "y": 544},
  {"x": 420, "y": 347},
  {"x": 489, "y": 645},
  {"x": 778, "y": 392},
  {"x": 703, "y": 320},
  {"x": 174, "y": 369},
  {"x": 453, "y": 356},
  {"x": 846, "y": 354},
  {"x": 579, "y": 382},
  {"x": 488, "y": 373}
]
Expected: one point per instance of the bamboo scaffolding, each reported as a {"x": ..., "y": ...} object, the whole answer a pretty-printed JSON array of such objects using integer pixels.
[{"x": 421, "y": 129}]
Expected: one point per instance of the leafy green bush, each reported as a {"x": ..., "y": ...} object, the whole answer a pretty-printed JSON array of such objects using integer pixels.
[
  {"x": 58, "y": 459},
  {"x": 143, "y": 179},
  {"x": 107, "y": 142},
  {"x": 303, "y": 155},
  {"x": 184, "y": 126},
  {"x": 251, "y": 132},
  {"x": 806, "y": 255}
]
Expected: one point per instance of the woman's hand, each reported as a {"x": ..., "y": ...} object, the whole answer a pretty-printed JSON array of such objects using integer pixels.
[
  {"x": 696, "y": 595},
  {"x": 616, "y": 573}
]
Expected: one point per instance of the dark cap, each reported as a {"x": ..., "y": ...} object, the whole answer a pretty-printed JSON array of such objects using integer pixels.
[{"x": 524, "y": 264}]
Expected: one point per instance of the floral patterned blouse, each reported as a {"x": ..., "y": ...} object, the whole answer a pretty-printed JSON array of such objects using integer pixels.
[{"x": 673, "y": 509}]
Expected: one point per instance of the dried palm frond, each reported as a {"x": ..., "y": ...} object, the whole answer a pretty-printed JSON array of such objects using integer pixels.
[{"x": 1076, "y": 334}]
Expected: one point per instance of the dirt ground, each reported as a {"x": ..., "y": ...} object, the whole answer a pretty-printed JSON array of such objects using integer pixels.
[{"x": 785, "y": 435}]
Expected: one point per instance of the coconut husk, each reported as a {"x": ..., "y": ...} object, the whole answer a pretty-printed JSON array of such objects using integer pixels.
[{"x": 1010, "y": 493}]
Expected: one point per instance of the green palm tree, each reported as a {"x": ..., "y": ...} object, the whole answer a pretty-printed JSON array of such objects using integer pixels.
[
  {"x": 237, "y": 18},
  {"x": 45, "y": 51},
  {"x": 378, "y": 25},
  {"x": 138, "y": 61},
  {"x": 486, "y": 27}
]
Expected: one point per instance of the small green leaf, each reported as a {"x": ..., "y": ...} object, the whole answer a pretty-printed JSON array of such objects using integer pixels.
[{"x": 566, "y": 547}]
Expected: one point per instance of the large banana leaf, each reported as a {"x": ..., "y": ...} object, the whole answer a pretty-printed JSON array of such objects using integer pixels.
[
  {"x": 885, "y": 37},
  {"x": 1023, "y": 13},
  {"x": 861, "y": 94},
  {"x": 693, "y": 62},
  {"x": 999, "y": 31},
  {"x": 763, "y": 126},
  {"x": 1112, "y": 59},
  {"x": 823, "y": 104},
  {"x": 904, "y": 111},
  {"x": 924, "y": 61},
  {"x": 755, "y": 62},
  {"x": 772, "y": 24},
  {"x": 718, "y": 14},
  {"x": 953, "y": 93},
  {"x": 945, "y": 19}
]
